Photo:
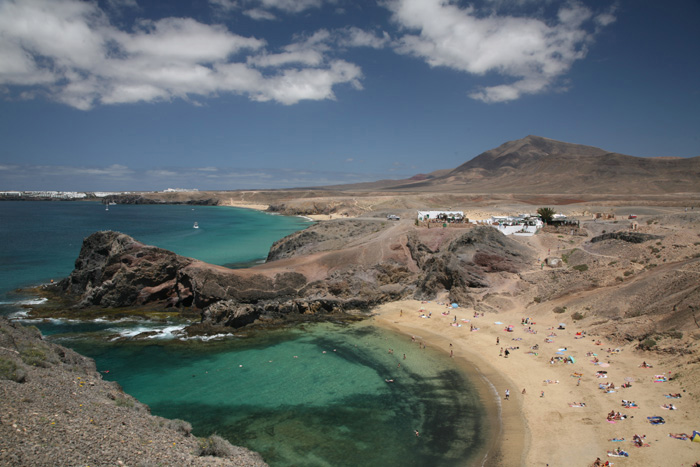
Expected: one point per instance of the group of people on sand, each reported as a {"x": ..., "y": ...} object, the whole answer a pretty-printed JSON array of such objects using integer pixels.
[
  {"x": 638, "y": 440},
  {"x": 610, "y": 387},
  {"x": 615, "y": 416}
]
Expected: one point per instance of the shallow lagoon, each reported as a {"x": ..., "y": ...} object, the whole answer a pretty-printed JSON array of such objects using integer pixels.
[
  {"x": 329, "y": 406},
  {"x": 315, "y": 395}
]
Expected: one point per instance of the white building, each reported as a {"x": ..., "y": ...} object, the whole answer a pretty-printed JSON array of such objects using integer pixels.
[
  {"x": 440, "y": 215},
  {"x": 523, "y": 225}
]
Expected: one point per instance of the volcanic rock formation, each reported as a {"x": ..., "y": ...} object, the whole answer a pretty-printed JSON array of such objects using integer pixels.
[{"x": 329, "y": 270}]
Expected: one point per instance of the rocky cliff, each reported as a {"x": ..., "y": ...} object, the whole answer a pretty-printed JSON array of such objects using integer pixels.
[{"x": 332, "y": 270}]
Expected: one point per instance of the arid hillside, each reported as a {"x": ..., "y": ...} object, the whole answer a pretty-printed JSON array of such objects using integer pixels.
[
  {"x": 532, "y": 170},
  {"x": 541, "y": 165}
]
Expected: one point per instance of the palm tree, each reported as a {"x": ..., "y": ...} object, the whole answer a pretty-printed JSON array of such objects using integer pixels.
[{"x": 546, "y": 214}]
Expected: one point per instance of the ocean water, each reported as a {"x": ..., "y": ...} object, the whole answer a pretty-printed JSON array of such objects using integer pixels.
[
  {"x": 40, "y": 241},
  {"x": 315, "y": 395}
]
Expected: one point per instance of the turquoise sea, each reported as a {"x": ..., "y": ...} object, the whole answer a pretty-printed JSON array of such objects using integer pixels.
[{"x": 315, "y": 395}]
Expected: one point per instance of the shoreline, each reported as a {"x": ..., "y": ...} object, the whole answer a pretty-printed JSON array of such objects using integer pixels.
[
  {"x": 509, "y": 427},
  {"x": 551, "y": 430}
]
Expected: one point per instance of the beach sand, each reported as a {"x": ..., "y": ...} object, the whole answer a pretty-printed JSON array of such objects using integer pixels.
[
  {"x": 244, "y": 205},
  {"x": 545, "y": 430}
]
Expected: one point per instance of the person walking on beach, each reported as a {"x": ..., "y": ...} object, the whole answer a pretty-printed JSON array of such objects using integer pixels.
[{"x": 507, "y": 394}]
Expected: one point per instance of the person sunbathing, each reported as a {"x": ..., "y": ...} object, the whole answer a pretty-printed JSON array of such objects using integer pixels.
[
  {"x": 682, "y": 436},
  {"x": 618, "y": 453},
  {"x": 674, "y": 396},
  {"x": 668, "y": 407}
]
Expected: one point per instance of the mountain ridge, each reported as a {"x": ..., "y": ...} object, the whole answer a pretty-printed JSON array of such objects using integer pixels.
[{"x": 539, "y": 165}]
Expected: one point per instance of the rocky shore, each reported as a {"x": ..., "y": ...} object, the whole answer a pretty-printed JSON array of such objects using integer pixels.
[
  {"x": 633, "y": 286},
  {"x": 335, "y": 270},
  {"x": 55, "y": 409}
]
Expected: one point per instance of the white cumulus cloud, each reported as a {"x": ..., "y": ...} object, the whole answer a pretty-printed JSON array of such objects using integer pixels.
[
  {"x": 531, "y": 52},
  {"x": 69, "y": 50},
  {"x": 260, "y": 14}
]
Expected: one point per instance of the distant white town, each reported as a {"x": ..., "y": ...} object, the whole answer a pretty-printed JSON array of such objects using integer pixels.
[{"x": 69, "y": 195}]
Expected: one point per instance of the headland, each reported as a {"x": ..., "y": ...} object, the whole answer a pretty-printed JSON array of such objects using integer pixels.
[{"x": 590, "y": 325}]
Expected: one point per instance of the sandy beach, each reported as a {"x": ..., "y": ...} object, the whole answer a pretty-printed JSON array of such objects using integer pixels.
[
  {"x": 559, "y": 399},
  {"x": 542, "y": 422}
]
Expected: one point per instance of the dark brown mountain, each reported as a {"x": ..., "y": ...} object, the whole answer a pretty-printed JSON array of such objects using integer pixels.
[{"x": 538, "y": 165}]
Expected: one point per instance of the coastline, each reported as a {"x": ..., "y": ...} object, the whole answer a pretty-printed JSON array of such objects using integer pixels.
[
  {"x": 541, "y": 431},
  {"x": 506, "y": 423}
]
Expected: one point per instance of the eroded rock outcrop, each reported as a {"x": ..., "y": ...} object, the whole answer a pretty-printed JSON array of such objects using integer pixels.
[
  {"x": 466, "y": 262},
  {"x": 332, "y": 270},
  {"x": 114, "y": 270}
]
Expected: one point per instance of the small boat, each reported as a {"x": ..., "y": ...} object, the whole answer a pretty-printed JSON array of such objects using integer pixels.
[
  {"x": 106, "y": 208},
  {"x": 632, "y": 216},
  {"x": 195, "y": 226},
  {"x": 112, "y": 203}
]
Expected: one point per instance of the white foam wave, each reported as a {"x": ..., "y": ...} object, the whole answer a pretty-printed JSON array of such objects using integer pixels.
[
  {"x": 21, "y": 316},
  {"x": 205, "y": 338},
  {"x": 33, "y": 301},
  {"x": 169, "y": 332},
  {"x": 161, "y": 331}
]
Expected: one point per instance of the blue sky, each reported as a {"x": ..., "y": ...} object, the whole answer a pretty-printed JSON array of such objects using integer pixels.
[{"x": 120, "y": 95}]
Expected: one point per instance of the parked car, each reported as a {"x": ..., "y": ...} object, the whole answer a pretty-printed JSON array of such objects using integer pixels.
[{"x": 393, "y": 217}]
